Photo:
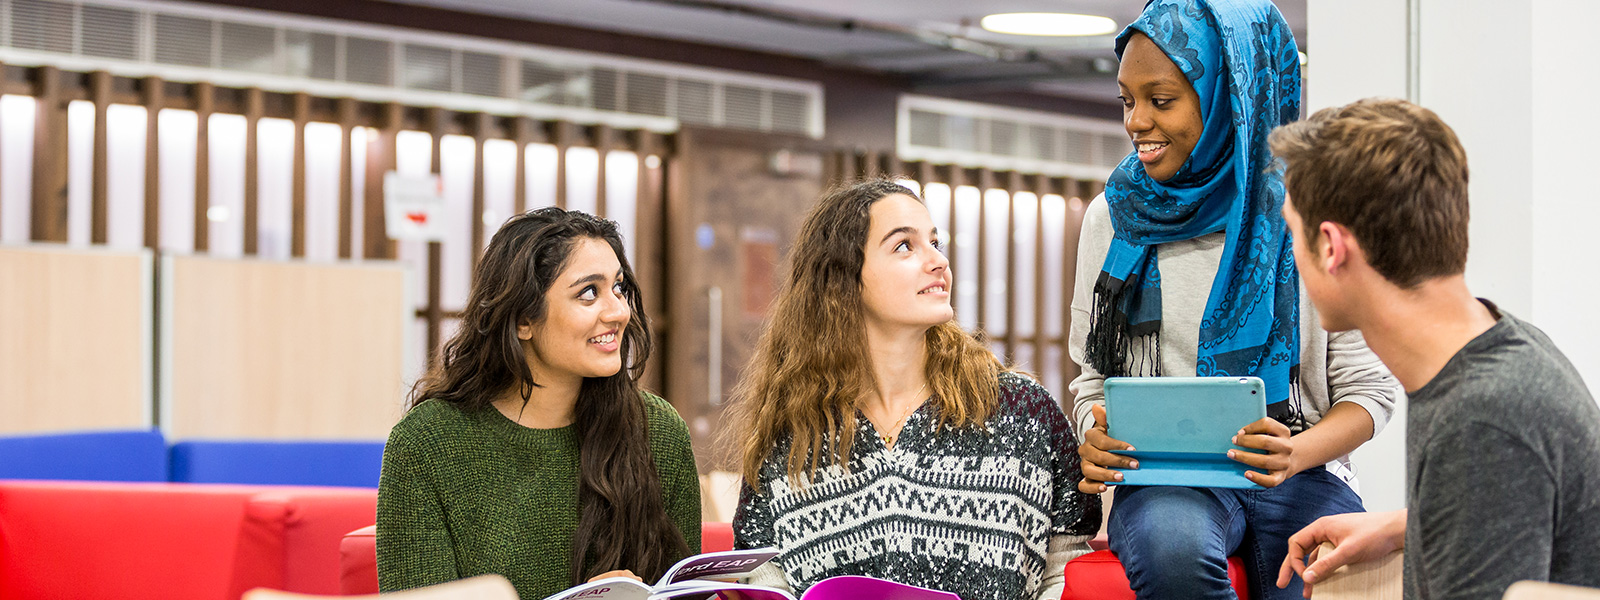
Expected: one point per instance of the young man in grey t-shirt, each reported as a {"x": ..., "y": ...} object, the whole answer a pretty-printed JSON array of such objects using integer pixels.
[{"x": 1503, "y": 439}]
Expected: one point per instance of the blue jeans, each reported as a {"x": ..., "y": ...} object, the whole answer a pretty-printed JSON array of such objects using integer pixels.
[{"x": 1174, "y": 542}]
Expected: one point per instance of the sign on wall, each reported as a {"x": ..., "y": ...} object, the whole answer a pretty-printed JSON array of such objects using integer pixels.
[{"x": 413, "y": 206}]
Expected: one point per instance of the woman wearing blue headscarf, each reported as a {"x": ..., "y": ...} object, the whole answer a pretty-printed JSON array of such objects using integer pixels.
[{"x": 1185, "y": 268}]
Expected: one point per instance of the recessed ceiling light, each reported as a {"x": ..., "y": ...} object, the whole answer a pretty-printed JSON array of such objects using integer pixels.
[{"x": 1060, "y": 24}]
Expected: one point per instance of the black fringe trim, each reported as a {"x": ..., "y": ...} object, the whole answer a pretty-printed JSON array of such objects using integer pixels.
[
  {"x": 1115, "y": 347},
  {"x": 1291, "y": 411}
]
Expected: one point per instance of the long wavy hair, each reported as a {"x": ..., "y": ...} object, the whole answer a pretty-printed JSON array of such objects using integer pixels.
[
  {"x": 811, "y": 367},
  {"x": 623, "y": 522}
]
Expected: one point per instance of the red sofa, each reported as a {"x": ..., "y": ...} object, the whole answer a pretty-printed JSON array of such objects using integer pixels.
[
  {"x": 172, "y": 541},
  {"x": 1099, "y": 576}
]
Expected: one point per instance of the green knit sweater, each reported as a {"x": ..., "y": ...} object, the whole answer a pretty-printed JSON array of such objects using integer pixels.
[{"x": 468, "y": 493}]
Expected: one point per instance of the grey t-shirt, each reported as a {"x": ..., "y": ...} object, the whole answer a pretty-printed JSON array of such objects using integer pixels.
[{"x": 1502, "y": 470}]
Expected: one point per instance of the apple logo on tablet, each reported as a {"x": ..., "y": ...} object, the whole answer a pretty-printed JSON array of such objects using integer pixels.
[{"x": 1187, "y": 427}]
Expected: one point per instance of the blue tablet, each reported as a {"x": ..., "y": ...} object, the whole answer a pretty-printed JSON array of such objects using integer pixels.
[{"x": 1182, "y": 427}]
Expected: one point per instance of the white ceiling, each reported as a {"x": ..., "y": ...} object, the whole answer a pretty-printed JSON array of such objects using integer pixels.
[{"x": 1060, "y": 66}]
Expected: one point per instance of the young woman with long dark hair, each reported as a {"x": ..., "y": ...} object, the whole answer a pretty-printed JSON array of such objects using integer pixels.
[
  {"x": 529, "y": 450},
  {"x": 878, "y": 438}
]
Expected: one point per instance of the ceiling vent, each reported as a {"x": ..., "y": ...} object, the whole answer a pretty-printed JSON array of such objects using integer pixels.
[
  {"x": 1007, "y": 139},
  {"x": 247, "y": 48}
]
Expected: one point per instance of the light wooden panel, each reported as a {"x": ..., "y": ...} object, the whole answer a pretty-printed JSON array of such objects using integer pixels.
[
  {"x": 1374, "y": 580},
  {"x": 263, "y": 349},
  {"x": 1539, "y": 590},
  {"x": 75, "y": 339}
]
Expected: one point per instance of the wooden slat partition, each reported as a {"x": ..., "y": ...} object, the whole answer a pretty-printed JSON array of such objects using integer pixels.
[
  {"x": 253, "y": 109},
  {"x": 100, "y": 94},
  {"x": 277, "y": 349},
  {"x": 76, "y": 345},
  {"x": 154, "y": 96},
  {"x": 204, "y": 103}
]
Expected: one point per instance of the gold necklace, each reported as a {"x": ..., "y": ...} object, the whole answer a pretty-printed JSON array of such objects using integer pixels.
[{"x": 894, "y": 430}]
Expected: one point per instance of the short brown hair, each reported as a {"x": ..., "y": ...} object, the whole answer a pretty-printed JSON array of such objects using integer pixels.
[{"x": 1390, "y": 171}]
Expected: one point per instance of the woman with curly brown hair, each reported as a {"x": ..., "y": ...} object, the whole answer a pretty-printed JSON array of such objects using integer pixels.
[{"x": 878, "y": 438}]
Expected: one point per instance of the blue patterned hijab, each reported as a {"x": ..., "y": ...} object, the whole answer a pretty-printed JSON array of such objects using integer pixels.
[{"x": 1242, "y": 60}]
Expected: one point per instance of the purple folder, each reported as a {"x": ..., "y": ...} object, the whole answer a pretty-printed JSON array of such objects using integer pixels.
[{"x": 851, "y": 587}]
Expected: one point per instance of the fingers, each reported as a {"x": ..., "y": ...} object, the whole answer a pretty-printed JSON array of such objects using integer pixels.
[
  {"x": 1266, "y": 426},
  {"x": 1091, "y": 487},
  {"x": 1097, "y": 473},
  {"x": 1295, "y": 561},
  {"x": 1266, "y": 462},
  {"x": 1269, "y": 443},
  {"x": 1326, "y": 563}
]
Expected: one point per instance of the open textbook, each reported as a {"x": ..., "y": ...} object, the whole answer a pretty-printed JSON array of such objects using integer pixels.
[{"x": 717, "y": 574}]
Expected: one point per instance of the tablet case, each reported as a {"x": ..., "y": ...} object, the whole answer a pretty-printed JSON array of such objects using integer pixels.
[{"x": 1181, "y": 427}]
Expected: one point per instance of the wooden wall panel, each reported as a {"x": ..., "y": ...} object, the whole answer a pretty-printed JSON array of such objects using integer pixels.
[
  {"x": 76, "y": 344},
  {"x": 261, "y": 349}
]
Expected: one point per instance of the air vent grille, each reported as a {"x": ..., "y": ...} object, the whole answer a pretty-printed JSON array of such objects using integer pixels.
[
  {"x": 42, "y": 25},
  {"x": 183, "y": 41},
  {"x": 249, "y": 48},
  {"x": 1005, "y": 139},
  {"x": 110, "y": 33},
  {"x": 300, "y": 54}
]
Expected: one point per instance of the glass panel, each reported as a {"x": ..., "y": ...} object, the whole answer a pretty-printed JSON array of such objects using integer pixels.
[
  {"x": 80, "y": 168},
  {"x": 583, "y": 180},
  {"x": 274, "y": 187},
  {"x": 1027, "y": 215},
  {"x": 499, "y": 185},
  {"x": 996, "y": 202},
  {"x": 622, "y": 198},
  {"x": 16, "y": 170},
  {"x": 226, "y": 135},
  {"x": 457, "y": 157},
  {"x": 322, "y": 191},
  {"x": 178, "y": 143},
  {"x": 965, "y": 251},
  {"x": 1053, "y": 209},
  {"x": 541, "y": 161},
  {"x": 125, "y": 163},
  {"x": 359, "y": 138}
]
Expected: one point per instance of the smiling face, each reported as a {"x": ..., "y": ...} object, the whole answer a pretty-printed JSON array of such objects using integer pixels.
[
  {"x": 586, "y": 311},
  {"x": 905, "y": 277},
  {"x": 1160, "y": 109}
]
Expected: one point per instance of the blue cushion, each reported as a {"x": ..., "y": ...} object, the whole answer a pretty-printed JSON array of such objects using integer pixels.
[
  {"x": 85, "y": 456},
  {"x": 353, "y": 464}
]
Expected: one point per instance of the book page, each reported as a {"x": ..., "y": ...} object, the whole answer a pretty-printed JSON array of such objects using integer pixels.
[
  {"x": 728, "y": 566},
  {"x": 611, "y": 588}
]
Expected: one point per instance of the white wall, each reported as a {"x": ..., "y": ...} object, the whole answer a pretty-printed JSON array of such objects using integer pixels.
[
  {"x": 1508, "y": 77},
  {"x": 1357, "y": 49}
]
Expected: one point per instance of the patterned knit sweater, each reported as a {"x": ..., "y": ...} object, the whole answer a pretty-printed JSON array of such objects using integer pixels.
[
  {"x": 962, "y": 510},
  {"x": 469, "y": 493}
]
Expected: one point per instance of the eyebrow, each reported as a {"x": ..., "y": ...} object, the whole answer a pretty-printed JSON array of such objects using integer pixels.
[
  {"x": 593, "y": 278},
  {"x": 908, "y": 230},
  {"x": 1163, "y": 80}
]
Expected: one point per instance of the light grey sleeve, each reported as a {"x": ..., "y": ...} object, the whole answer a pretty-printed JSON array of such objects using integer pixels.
[
  {"x": 1355, "y": 374},
  {"x": 1063, "y": 548},
  {"x": 1094, "y": 242}
]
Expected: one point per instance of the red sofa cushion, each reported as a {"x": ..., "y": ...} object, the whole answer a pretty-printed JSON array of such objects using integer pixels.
[
  {"x": 134, "y": 541},
  {"x": 358, "y": 555},
  {"x": 171, "y": 540},
  {"x": 716, "y": 537},
  {"x": 1100, "y": 576},
  {"x": 358, "y": 562},
  {"x": 314, "y": 521}
]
